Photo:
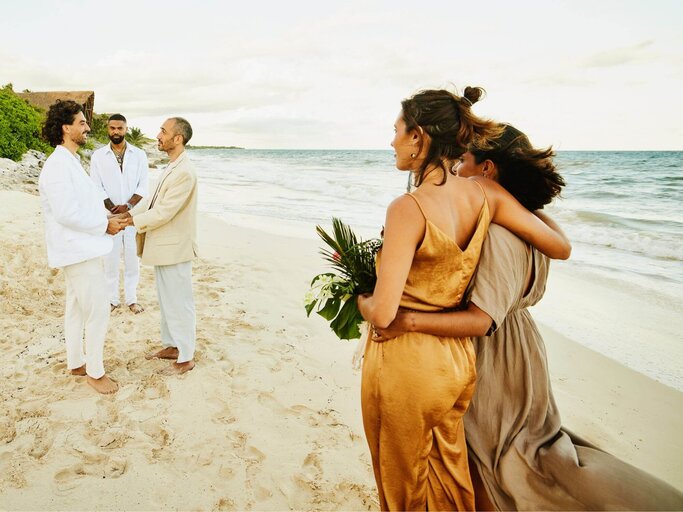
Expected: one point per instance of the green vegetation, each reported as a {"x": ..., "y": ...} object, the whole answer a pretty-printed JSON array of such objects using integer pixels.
[
  {"x": 136, "y": 137},
  {"x": 98, "y": 128},
  {"x": 20, "y": 126}
]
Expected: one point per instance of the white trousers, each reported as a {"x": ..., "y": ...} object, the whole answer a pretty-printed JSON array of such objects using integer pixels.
[
  {"x": 131, "y": 274},
  {"x": 174, "y": 289},
  {"x": 87, "y": 310}
]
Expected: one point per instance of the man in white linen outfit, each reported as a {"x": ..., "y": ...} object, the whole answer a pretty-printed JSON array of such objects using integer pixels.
[
  {"x": 120, "y": 170},
  {"x": 76, "y": 228}
]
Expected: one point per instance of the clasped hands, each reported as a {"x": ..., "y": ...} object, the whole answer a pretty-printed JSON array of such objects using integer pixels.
[
  {"x": 118, "y": 222},
  {"x": 398, "y": 326}
]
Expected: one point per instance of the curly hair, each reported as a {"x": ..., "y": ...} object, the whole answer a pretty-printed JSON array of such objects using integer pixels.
[
  {"x": 59, "y": 114},
  {"x": 529, "y": 174},
  {"x": 449, "y": 122}
]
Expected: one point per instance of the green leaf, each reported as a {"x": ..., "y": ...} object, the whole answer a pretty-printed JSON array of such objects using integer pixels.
[
  {"x": 347, "y": 324},
  {"x": 309, "y": 307},
  {"x": 331, "y": 309}
]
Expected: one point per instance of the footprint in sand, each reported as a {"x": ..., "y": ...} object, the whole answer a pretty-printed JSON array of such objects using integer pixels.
[
  {"x": 59, "y": 368},
  {"x": 151, "y": 387},
  {"x": 226, "y": 505},
  {"x": 99, "y": 467},
  {"x": 8, "y": 430},
  {"x": 67, "y": 478},
  {"x": 112, "y": 438},
  {"x": 253, "y": 459},
  {"x": 310, "y": 486},
  {"x": 224, "y": 414},
  {"x": 161, "y": 438},
  {"x": 42, "y": 441}
]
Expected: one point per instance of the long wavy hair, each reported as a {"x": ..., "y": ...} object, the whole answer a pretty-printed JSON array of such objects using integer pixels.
[
  {"x": 527, "y": 173},
  {"x": 450, "y": 124}
]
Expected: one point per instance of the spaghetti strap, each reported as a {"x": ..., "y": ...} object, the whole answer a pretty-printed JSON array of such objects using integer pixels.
[
  {"x": 486, "y": 199},
  {"x": 418, "y": 204}
]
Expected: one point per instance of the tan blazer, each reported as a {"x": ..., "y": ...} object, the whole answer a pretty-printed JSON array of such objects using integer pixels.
[{"x": 167, "y": 221}]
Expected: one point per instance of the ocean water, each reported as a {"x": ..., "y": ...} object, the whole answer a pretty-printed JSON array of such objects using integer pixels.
[
  {"x": 623, "y": 211},
  {"x": 624, "y": 214}
]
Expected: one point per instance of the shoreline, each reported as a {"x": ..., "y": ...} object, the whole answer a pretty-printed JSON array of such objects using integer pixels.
[
  {"x": 266, "y": 374},
  {"x": 599, "y": 312}
]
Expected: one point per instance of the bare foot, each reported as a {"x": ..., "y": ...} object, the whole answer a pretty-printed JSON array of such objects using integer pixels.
[
  {"x": 164, "y": 353},
  {"x": 178, "y": 368},
  {"x": 78, "y": 371},
  {"x": 103, "y": 385},
  {"x": 113, "y": 307},
  {"x": 136, "y": 308}
]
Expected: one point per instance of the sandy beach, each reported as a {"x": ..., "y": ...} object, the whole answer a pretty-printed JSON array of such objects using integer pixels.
[{"x": 270, "y": 417}]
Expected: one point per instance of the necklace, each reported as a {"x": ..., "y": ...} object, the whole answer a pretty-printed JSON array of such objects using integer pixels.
[{"x": 119, "y": 156}]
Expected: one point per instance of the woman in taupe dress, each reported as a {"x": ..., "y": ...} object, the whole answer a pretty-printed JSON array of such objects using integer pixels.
[{"x": 517, "y": 446}]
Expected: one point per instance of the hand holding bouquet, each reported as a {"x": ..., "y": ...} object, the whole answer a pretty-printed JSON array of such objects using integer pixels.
[{"x": 333, "y": 295}]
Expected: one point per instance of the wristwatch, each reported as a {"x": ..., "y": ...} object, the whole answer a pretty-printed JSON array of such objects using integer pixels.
[{"x": 130, "y": 206}]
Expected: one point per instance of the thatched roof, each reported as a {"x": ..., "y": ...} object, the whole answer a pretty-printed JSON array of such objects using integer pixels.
[{"x": 46, "y": 99}]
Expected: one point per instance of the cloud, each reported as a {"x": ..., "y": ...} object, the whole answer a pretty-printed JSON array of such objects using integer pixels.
[{"x": 618, "y": 56}]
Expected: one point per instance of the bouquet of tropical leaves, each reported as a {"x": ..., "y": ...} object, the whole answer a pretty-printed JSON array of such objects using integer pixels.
[{"x": 333, "y": 294}]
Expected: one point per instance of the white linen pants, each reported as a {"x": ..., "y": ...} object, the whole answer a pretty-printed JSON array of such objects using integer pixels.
[
  {"x": 131, "y": 267},
  {"x": 174, "y": 289},
  {"x": 87, "y": 309}
]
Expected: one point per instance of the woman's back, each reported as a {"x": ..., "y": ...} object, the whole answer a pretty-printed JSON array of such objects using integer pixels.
[
  {"x": 456, "y": 217},
  {"x": 453, "y": 207}
]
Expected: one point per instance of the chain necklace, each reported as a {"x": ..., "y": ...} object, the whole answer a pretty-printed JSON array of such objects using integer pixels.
[{"x": 119, "y": 156}]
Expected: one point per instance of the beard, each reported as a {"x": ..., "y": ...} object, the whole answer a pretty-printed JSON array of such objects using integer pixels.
[
  {"x": 83, "y": 139},
  {"x": 117, "y": 139}
]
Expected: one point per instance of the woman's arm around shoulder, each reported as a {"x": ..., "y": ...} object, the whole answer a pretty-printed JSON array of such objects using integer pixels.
[{"x": 509, "y": 213}]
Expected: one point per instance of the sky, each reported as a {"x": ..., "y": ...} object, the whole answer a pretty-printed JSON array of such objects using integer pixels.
[{"x": 575, "y": 74}]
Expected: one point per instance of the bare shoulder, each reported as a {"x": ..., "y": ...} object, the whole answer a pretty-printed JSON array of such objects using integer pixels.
[
  {"x": 489, "y": 185},
  {"x": 403, "y": 205},
  {"x": 405, "y": 215},
  {"x": 405, "y": 220}
]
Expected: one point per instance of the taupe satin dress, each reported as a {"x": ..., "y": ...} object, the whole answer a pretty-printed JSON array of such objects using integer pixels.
[{"x": 513, "y": 428}]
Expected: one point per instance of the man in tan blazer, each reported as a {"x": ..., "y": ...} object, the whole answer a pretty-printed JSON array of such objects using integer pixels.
[{"x": 167, "y": 238}]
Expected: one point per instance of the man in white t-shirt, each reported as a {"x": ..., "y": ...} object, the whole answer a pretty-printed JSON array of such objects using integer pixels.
[
  {"x": 76, "y": 228},
  {"x": 120, "y": 170}
]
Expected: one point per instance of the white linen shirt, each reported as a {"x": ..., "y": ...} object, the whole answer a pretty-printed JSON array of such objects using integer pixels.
[
  {"x": 120, "y": 186},
  {"x": 73, "y": 210}
]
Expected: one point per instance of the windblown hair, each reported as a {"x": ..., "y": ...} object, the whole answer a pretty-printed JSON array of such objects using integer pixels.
[
  {"x": 182, "y": 127},
  {"x": 527, "y": 173},
  {"x": 59, "y": 114},
  {"x": 117, "y": 117},
  {"x": 449, "y": 122}
]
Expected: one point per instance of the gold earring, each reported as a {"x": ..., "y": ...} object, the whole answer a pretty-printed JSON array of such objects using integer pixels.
[{"x": 412, "y": 155}]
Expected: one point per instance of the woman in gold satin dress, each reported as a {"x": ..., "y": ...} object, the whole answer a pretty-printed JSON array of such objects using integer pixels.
[
  {"x": 524, "y": 459},
  {"x": 416, "y": 388}
]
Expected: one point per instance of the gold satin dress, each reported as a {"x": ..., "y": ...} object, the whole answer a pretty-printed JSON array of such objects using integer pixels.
[{"x": 416, "y": 388}]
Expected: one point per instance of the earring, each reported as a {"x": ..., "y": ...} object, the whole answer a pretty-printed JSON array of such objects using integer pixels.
[{"x": 412, "y": 155}]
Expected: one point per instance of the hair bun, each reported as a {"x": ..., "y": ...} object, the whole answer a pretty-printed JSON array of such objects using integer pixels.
[{"x": 473, "y": 94}]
